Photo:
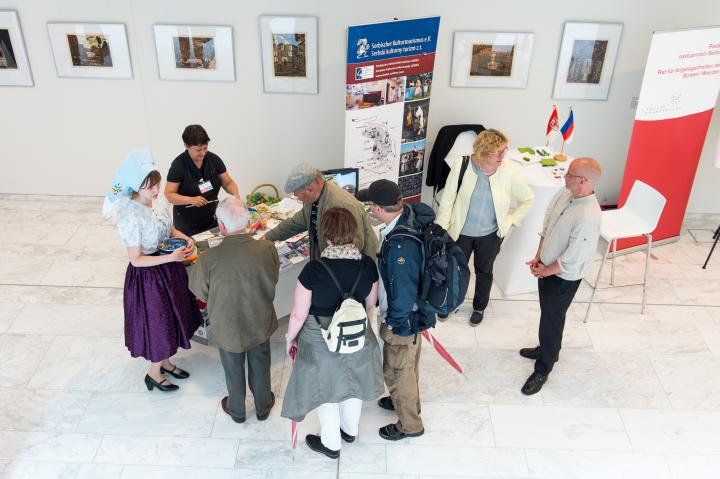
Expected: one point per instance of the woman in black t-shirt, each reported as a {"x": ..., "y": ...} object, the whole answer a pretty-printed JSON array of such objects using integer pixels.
[
  {"x": 194, "y": 181},
  {"x": 332, "y": 383}
]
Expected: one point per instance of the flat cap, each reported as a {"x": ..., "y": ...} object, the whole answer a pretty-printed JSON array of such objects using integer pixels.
[{"x": 300, "y": 176}]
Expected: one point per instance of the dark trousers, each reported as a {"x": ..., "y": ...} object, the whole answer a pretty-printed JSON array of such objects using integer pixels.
[
  {"x": 556, "y": 295},
  {"x": 258, "y": 361},
  {"x": 484, "y": 249}
]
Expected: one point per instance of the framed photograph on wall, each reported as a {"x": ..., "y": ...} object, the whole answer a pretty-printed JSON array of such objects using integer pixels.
[
  {"x": 586, "y": 60},
  {"x": 289, "y": 54},
  {"x": 14, "y": 64},
  {"x": 90, "y": 50},
  {"x": 188, "y": 52},
  {"x": 491, "y": 60}
]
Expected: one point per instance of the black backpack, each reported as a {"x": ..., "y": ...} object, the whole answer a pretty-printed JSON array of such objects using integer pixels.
[{"x": 445, "y": 274}]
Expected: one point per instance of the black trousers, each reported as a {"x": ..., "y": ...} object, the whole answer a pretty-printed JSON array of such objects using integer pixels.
[
  {"x": 556, "y": 295},
  {"x": 258, "y": 359},
  {"x": 484, "y": 249}
]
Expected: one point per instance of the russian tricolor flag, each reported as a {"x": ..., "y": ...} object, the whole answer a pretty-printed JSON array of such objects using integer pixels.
[{"x": 568, "y": 127}]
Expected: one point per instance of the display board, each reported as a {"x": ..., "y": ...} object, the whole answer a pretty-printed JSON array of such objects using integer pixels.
[
  {"x": 679, "y": 90},
  {"x": 387, "y": 100}
]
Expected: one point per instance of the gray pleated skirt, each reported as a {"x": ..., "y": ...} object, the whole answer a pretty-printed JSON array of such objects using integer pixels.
[{"x": 321, "y": 376}]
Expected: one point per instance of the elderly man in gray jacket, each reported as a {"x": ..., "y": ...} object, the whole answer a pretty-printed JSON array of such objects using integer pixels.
[{"x": 237, "y": 281}]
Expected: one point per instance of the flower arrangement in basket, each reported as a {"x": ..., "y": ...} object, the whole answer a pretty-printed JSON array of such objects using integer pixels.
[
  {"x": 258, "y": 204},
  {"x": 255, "y": 197}
]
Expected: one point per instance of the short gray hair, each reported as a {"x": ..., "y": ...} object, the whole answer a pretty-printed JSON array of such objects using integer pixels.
[{"x": 233, "y": 213}]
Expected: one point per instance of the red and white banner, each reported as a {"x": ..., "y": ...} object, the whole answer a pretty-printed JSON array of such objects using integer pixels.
[{"x": 679, "y": 91}]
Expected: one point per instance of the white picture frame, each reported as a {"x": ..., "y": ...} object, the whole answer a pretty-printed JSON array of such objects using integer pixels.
[
  {"x": 14, "y": 64},
  {"x": 586, "y": 60},
  {"x": 491, "y": 59},
  {"x": 195, "y": 52},
  {"x": 289, "y": 54},
  {"x": 90, "y": 50}
]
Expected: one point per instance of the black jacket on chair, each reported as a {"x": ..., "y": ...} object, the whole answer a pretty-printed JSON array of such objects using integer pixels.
[{"x": 438, "y": 170}]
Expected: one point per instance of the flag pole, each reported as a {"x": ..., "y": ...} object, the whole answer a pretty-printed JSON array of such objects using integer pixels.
[{"x": 560, "y": 156}]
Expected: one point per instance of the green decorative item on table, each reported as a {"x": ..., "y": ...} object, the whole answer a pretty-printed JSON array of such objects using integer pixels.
[
  {"x": 548, "y": 162},
  {"x": 525, "y": 158},
  {"x": 526, "y": 149},
  {"x": 255, "y": 197}
]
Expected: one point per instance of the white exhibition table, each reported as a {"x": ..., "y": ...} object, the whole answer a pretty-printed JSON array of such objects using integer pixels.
[{"x": 510, "y": 273}]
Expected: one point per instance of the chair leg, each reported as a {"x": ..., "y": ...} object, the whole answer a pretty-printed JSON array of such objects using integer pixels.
[
  {"x": 597, "y": 282},
  {"x": 612, "y": 265},
  {"x": 647, "y": 265}
]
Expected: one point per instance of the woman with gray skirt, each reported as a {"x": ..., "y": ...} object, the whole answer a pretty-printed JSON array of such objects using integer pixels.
[{"x": 332, "y": 383}]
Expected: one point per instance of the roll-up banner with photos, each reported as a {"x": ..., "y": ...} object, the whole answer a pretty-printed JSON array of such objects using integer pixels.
[
  {"x": 679, "y": 91},
  {"x": 387, "y": 100}
]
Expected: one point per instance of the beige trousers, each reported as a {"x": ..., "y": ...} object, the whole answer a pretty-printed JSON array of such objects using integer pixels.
[{"x": 401, "y": 368}]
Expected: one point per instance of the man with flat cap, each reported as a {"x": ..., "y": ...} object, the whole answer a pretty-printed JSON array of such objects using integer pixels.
[
  {"x": 400, "y": 262},
  {"x": 564, "y": 256},
  {"x": 309, "y": 186}
]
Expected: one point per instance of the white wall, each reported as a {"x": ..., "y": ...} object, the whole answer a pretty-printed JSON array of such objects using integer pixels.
[{"x": 67, "y": 136}]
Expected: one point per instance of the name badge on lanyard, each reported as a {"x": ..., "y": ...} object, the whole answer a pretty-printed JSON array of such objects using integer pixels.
[{"x": 204, "y": 186}]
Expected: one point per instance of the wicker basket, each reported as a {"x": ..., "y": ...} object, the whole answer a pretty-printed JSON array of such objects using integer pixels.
[{"x": 258, "y": 187}]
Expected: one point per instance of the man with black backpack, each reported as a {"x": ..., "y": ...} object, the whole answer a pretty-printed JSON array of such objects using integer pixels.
[{"x": 400, "y": 262}]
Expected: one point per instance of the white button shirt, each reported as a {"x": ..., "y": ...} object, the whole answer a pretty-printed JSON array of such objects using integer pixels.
[{"x": 571, "y": 229}]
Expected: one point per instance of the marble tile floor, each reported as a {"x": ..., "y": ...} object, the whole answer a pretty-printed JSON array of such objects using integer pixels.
[{"x": 633, "y": 396}]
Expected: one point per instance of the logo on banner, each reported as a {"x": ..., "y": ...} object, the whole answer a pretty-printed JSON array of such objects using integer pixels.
[
  {"x": 362, "y": 48},
  {"x": 363, "y": 73}
]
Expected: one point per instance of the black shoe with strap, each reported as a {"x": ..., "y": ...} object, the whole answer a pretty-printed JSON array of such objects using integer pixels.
[
  {"x": 163, "y": 385},
  {"x": 176, "y": 372},
  {"x": 313, "y": 442},
  {"x": 392, "y": 433}
]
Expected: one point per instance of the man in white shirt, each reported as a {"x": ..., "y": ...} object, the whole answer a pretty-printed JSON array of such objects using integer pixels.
[{"x": 567, "y": 246}]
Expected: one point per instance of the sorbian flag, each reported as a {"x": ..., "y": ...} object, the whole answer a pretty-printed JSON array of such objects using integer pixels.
[
  {"x": 568, "y": 127},
  {"x": 552, "y": 122}
]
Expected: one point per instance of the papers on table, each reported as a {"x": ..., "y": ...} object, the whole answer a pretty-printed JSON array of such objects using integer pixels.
[
  {"x": 286, "y": 207},
  {"x": 293, "y": 250},
  {"x": 530, "y": 160},
  {"x": 205, "y": 235}
]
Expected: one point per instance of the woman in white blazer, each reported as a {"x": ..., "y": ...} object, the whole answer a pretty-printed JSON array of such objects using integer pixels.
[{"x": 478, "y": 214}]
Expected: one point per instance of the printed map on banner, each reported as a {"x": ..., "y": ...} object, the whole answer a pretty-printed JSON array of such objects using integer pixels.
[
  {"x": 387, "y": 100},
  {"x": 372, "y": 142}
]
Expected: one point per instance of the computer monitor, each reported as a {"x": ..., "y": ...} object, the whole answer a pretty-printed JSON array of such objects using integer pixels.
[{"x": 346, "y": 178}]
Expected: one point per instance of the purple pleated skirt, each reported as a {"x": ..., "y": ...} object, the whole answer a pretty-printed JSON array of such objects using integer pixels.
[{"x": 161, "y": 314}]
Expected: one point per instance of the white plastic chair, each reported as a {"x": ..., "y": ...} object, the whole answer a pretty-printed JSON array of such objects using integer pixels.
[{"x": 638, "y": 217}]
